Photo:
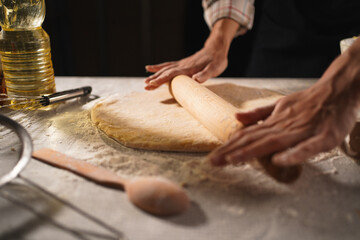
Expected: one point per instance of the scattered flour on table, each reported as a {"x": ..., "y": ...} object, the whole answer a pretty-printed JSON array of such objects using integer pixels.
[
  {"x": 91, "y": 145},
  {"x": 70, "y": 130},
  {"x": 234, "y": 210},
  {"x": 291, "y": 212},
  {"x": 73, "y": 129},
  {"x": 185, "y": 168},
  {"x": 327, "y": 158}
]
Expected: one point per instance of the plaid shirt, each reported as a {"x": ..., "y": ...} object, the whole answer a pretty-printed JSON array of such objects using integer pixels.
[{"x": 242, "y": 11}]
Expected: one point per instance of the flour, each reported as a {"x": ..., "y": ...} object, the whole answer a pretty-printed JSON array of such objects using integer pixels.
[
  {"x": 291, "y": 212},
  {"x": 234, "y": 210},
  {"x": 70, "y": 130},
  {"x": 187, "y": 169},
  {"x": 327, "y": 158},
  {"x": 75, "y": 129}
]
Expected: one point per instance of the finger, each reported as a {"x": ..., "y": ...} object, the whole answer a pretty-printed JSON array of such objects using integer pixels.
[
  {"x": 149, "y": 87},
  {"x": 265, "y": 146},
  {"x": 302, "y": 151},
  {"x": 151, "y": 77},
  {"x": 164, "y": 77},
  {"x": 255, "y": 115},
  {"x": 205, "y": 74},
  {"x": 243, "y": 137},
  {"x": 157, "y": 67},
  {"x": 156, "y": 75},
  {"x": 155, "y": 80}
]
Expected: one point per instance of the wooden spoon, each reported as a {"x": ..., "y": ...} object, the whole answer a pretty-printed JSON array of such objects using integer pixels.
[{"x": 155, "y": 195}]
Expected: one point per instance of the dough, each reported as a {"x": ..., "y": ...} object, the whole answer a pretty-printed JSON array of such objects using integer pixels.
[{"x": 155, "y": 121}]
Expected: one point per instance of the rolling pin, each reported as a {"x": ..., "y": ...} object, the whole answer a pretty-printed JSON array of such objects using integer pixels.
[{"x": 218, "y": 116}]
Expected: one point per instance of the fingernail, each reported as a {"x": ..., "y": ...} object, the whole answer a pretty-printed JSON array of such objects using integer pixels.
[
  {"x": 229, "y": 159},
  {"x": 213, "y": 159},
  {"x": 216, "y": 161},
  {"x": 236, "y": 158},
  {"x": 149, "y": 87},
  {"x": 280, "y": 159},
  {"x": 196, "y": 78}
]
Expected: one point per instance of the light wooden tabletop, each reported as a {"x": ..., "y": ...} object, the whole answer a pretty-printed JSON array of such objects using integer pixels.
[{"x": 230, "y": 203}]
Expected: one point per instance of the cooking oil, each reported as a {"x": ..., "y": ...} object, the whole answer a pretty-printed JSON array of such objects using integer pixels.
[{"x": 25, "y": 49}]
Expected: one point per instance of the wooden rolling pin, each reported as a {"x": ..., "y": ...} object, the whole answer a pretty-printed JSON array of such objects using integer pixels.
[{"x": 218, "y": 116}]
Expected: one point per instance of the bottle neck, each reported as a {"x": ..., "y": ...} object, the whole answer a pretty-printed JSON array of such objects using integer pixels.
[{"x": 22, "y": 14}]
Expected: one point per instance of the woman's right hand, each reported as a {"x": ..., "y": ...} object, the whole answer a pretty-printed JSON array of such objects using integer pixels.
[{"x": 208, "y": 62}]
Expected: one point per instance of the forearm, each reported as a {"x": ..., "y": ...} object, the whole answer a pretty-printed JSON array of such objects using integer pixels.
[
  {"x": 343, "y": 75},
  {"x": 301, "y": 124},
  {"x": 352, "y": 66},
  {"x": 241, "y": 11},
  {"x": 222, "y": 34},
  {"x": 208, "y": 62}
]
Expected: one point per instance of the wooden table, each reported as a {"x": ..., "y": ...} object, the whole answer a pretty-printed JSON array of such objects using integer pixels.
[{"x": 230, "y": 203}]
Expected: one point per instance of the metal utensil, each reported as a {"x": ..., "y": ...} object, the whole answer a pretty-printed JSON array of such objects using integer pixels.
[
  {"x": 45, "y": 100},
  {"x": 15, "y": 139},
  {"x": 26, "y": 150}
]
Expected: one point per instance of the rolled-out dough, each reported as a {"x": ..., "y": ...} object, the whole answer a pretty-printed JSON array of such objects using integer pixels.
[{"x": 155, "y": 121}]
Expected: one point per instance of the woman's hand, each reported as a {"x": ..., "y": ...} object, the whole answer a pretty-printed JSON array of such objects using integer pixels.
[
  {"x": 204, "y": 64},
  {"x": 297, "y": 127},
  {"x": 209, "y": 62},
  {"x": 303, "y": 124}
]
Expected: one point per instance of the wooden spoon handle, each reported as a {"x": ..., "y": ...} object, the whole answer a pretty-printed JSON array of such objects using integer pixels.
[
  {"x": 84, "y": 169},
  {"x": 218, "y": 116}
]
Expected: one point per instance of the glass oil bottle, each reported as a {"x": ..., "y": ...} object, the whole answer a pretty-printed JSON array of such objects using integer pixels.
[{"x": 25, "y": 49}]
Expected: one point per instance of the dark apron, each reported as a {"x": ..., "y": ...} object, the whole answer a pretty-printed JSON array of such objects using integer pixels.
[{"x": 300, "y": 38}]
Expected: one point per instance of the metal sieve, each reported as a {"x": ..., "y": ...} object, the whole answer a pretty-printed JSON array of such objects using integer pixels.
[{"x": 16, "y": 149}]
